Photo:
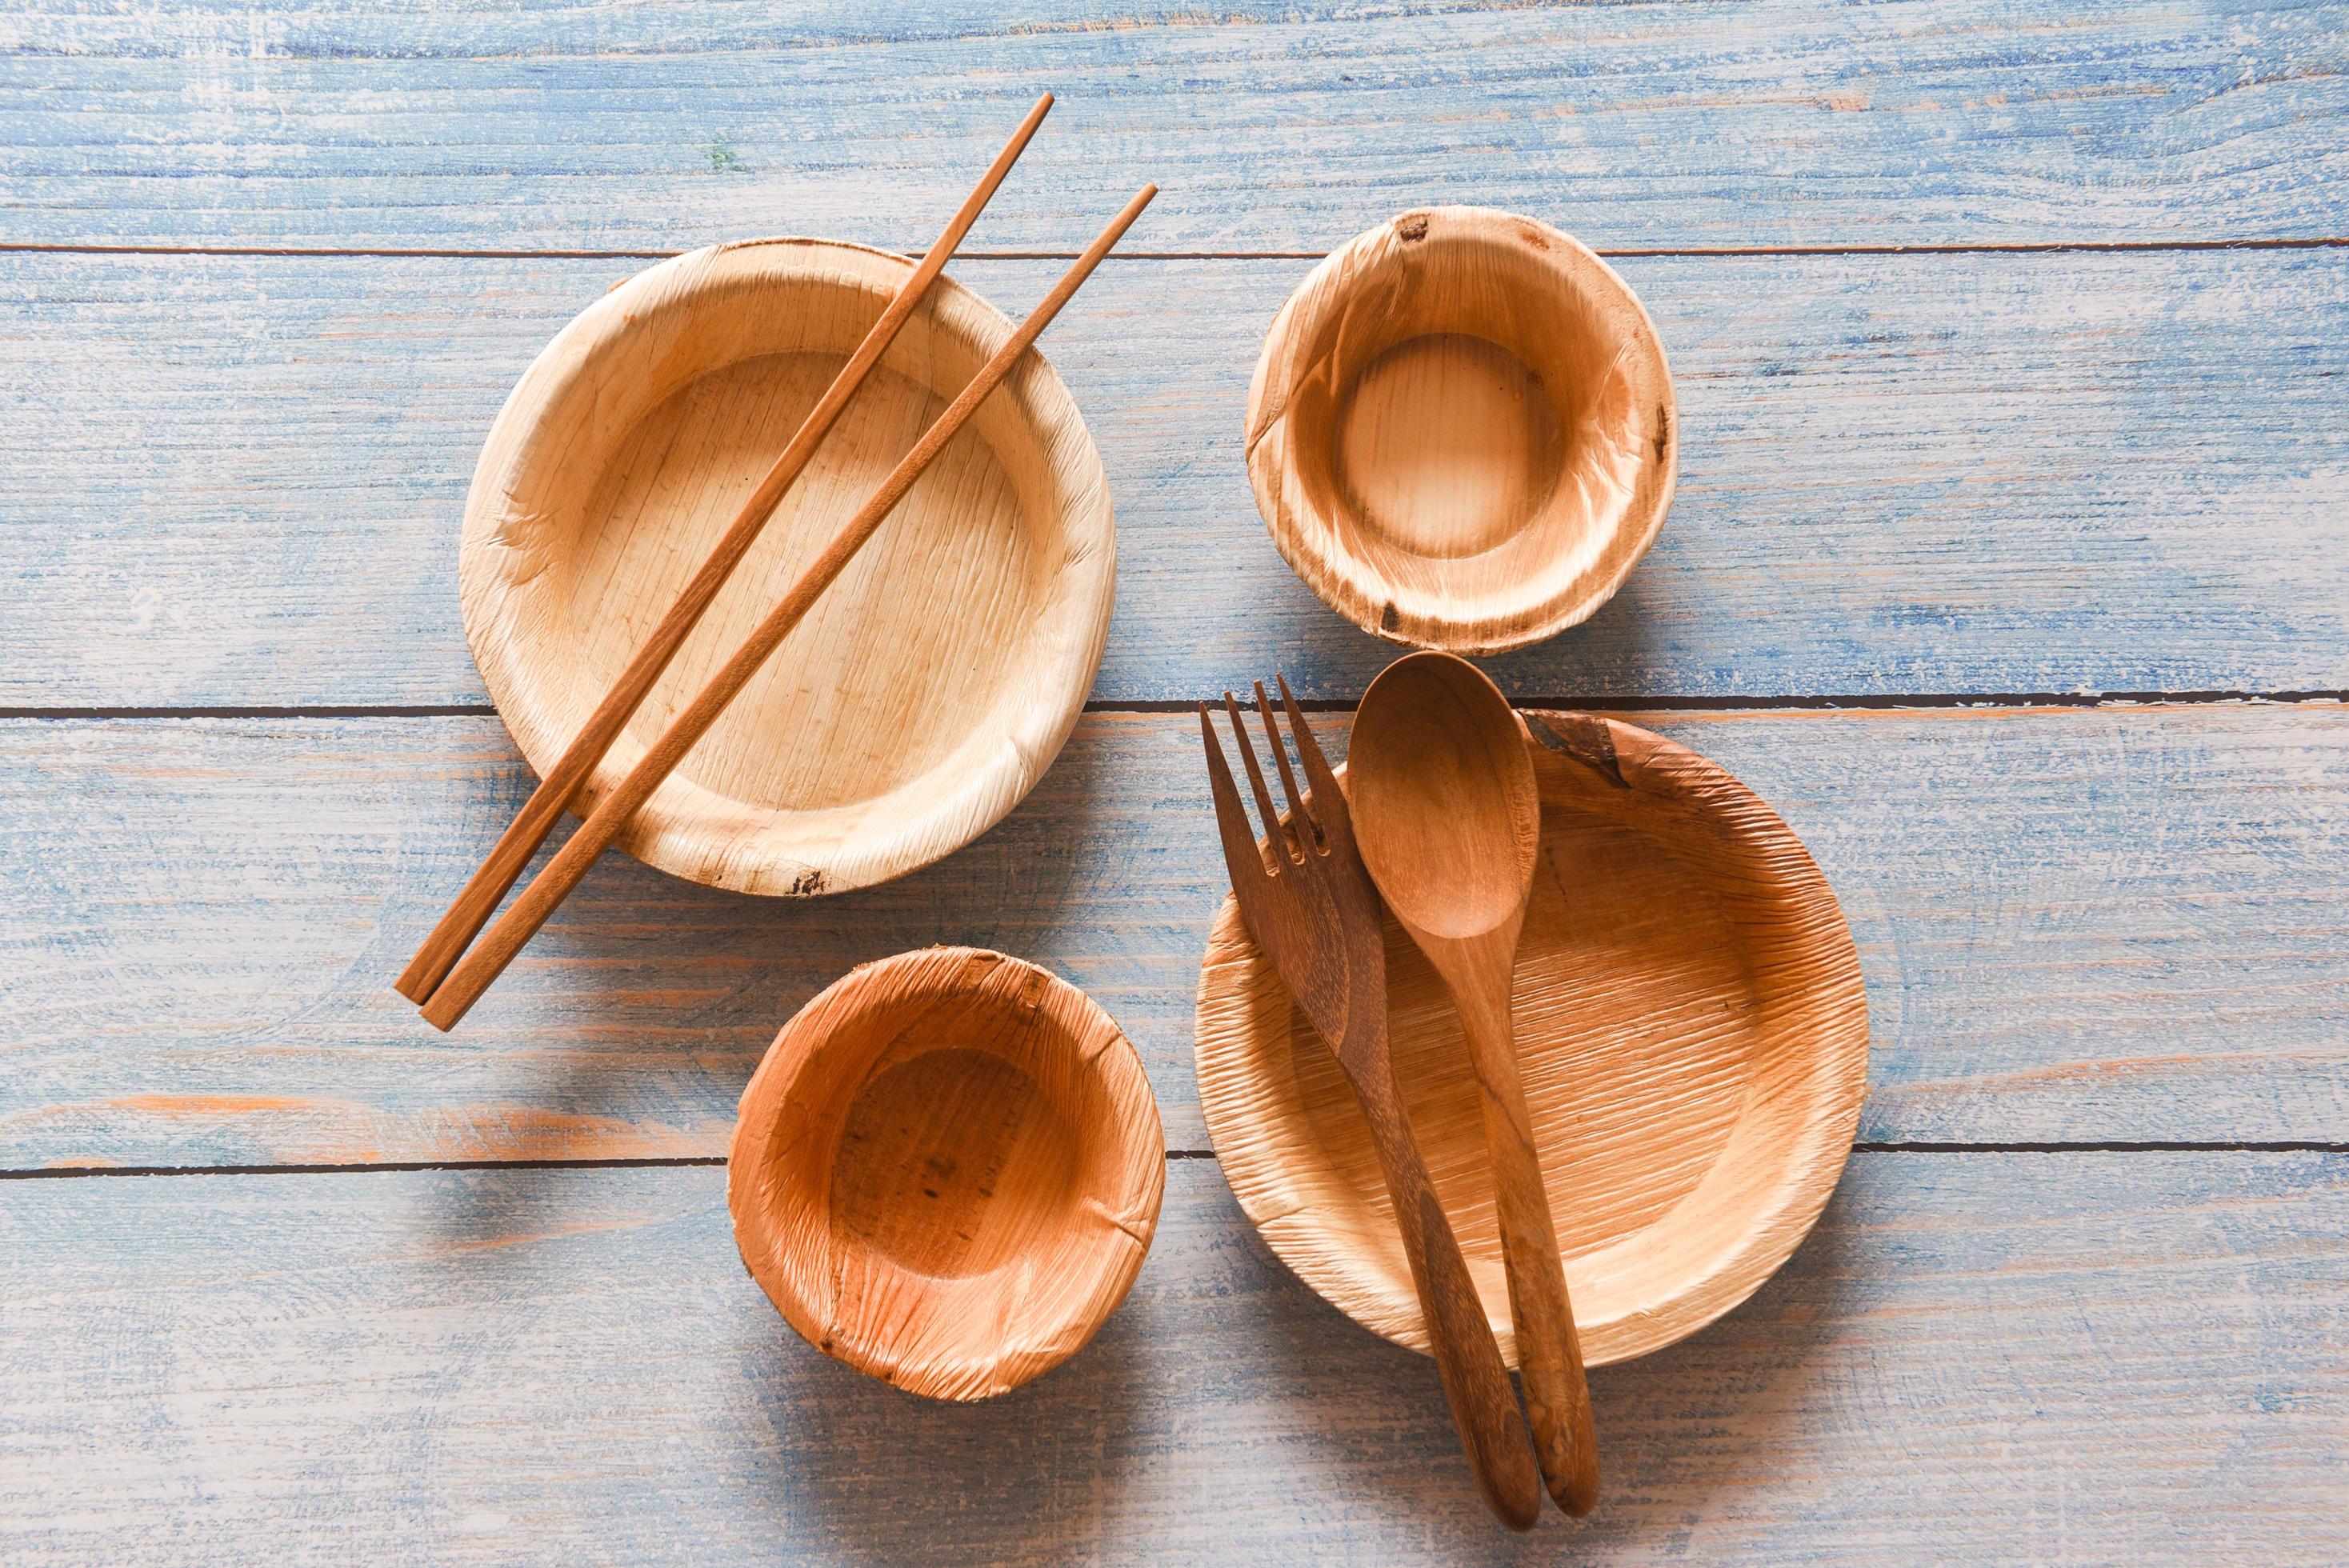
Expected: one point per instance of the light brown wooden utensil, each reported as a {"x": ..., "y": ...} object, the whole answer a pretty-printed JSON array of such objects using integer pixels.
[
  {"x": 564, "y": 781},
  {"x": 1309, "y": 904},
  {"x": 1691, "y": 1036},
  {"x": 522, "y": 920},
  {"x": 928, "y": 689},
  {"x": 1449, "y": 820}
]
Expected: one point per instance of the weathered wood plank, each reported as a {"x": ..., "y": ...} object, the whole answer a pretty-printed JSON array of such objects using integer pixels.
[
  {"x": 2075, "y": 1358},
  {"x": 2095, "y": 924},
  {"x": 1273, "y": 126},
  {"x": 238, "y": 481}
]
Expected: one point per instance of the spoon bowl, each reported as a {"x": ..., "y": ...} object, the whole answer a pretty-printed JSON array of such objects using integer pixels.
[{"x": 1447, "y": 812}]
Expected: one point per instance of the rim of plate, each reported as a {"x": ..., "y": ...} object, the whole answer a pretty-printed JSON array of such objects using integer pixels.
[{"x": 701, "y": 834}]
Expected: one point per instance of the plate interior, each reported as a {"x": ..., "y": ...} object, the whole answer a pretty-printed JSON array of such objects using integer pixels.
[
  {"x": 932, "y": 682},
  {"x": 913, "y": 631},
  {"x": 1638, "y": 1026},
  {"x": 1692, "y": 1034}
]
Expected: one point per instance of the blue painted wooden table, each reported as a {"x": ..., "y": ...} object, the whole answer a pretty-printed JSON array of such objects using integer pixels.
[{"x": 2011, "y": 562}]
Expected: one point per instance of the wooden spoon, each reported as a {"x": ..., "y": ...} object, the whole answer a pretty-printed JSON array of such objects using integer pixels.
[{"x": 1449, "y": 823}]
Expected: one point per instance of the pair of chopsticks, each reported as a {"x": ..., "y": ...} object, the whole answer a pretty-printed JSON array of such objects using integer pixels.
[{"x": 444, "y": 978}]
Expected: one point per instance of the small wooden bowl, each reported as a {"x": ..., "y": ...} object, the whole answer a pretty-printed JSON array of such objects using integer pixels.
[
  {"x": 930, "y": 687},
  {"x": 1462, "y": 431},
  {"x": 1693, "y": 1035},
  {"x": 947, "y": 1171}
]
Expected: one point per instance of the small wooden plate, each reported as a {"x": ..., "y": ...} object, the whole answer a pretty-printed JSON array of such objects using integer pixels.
[
  {"x": 947, "y": 1171},
  {"x": 931, "y": 686},
  {"x": 1462, "y": 431},
  {"x": 1692, "y": 1034}
]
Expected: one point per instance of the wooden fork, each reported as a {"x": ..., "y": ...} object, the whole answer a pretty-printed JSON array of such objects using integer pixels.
[{"x": 1309, "y": 904}]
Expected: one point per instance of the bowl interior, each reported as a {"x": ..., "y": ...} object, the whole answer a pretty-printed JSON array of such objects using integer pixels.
[
  {"x": 1460, "y": 429},
  {"x": 1691, "y": 1038},
  {"x": 967, "y": 630},
  {"x": 946, "y": 1172}
]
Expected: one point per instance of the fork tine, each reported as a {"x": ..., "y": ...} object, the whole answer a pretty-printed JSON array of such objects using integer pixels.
[
  {"x": 1330, "y": 802},
  {"x": 1274, "y": 833},
  {"x": 1231, "y": 817},
  {"x": 1298, "y": 819}
]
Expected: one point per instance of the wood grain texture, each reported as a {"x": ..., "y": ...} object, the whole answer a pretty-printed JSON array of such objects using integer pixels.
[
  {"x": 1309, "y": 906},
  {"x": 2084, "y": 1358},
  {"x": 1449, "y": 812},
  {"x": 1461, "y": 432},
  {"x": 947, "y": 1170},
  {"x": 561, "y": 777},
  {"x": 234, "y": 481},
  {"x": 575, "y": 125},
  {"x": 2113, "y": 925},
  {"x": 863, "y": 727},
  {"x": 1693, "y": 1035},
  {"x": 944, "y": 689}
]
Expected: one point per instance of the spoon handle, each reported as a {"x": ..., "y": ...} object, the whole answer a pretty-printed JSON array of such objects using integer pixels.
[
  {"x": 1549, "y": 1353},
  {"x": 1467, "y": 1357}
]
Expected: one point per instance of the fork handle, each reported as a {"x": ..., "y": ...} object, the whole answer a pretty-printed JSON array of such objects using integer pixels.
[{"x": 1467, "y": 1357}]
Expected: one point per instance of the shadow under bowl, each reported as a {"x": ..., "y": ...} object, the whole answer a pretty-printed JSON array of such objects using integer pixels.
[
  {"x": 1462, "y": 432},
  {"x": 947, "y": 1171}
]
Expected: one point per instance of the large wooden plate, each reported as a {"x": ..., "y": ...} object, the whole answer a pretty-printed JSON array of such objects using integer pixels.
[
  {"x": 1694, "y": 1038},
  {"x": 931, "y": 686}
]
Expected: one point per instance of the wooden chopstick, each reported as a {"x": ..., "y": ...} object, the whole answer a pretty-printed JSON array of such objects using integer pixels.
[
  {"x": 571, "y": 773},
  {"x": 520, "y": 922}
]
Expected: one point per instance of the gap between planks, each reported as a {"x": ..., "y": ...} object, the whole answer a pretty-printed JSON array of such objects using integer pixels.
[
  {"x": 394, "y": 1167},
  {"x": 2010, "y": 248},
  {"x": 1832, "y": 702}
]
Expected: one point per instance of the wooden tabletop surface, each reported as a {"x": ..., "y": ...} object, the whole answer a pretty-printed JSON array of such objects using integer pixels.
[{"x": 2010, "y": 562}]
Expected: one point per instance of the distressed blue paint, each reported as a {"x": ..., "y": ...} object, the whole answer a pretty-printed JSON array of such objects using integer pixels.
[
  {"x": 238, "y": 481},
  {"x": 2112, "y": 925},
  {"x": 1272, "y": 126},
  {"x": 550, "y": 1366}
]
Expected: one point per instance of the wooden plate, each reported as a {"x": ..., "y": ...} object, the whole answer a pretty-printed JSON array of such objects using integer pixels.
[
  {"x": 931, "y": 685},
  {"x": 1461, "y": 432},
  {"x": 947, "y": 1171},
  {"x": 1692, "y": 1033}
]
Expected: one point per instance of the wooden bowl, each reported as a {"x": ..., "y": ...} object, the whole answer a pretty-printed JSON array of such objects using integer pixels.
[
  {"x": 947, "y": 1171},
  {"x": 931, "y": 686},
  {"x": 1694, "y": 1039},
  {"x": 1462, "y": 431}
]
